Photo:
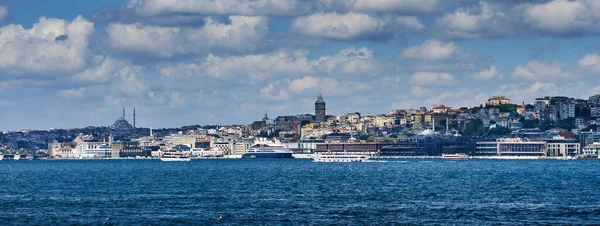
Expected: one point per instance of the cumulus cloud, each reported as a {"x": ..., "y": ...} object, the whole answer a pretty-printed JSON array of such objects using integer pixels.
[
  {"x": 432, "y": 79},
  {"x": 330, "y": 86},
  {"x": 564, "y": 17},
  {"x": 431, "y": 50},
  {"x": 483, "y": 20},
  {"x": 500, "y": 18},
  {"x": 348, "y": 61},
  {"x": 3, "y": 12},
  {"x": 590, "y": 61},
  {"x": 51, "y": 46},
  {"x": 242, "y": 34},
  {"x": 354, "y": 25},
  {"x": 488, "y": 74},
  {"x": 221, "y": 7},
  {"x": 536, "y": 70},
  {"x": 405, "y": 6},
  {"x": 282, "y": 63}
]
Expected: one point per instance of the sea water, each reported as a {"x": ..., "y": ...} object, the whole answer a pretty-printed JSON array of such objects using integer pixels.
[{"x": 292, "y": 192}]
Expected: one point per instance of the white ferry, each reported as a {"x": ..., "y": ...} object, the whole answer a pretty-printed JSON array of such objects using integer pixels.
[
  {"x": 341, "y": 158},
  {"x": 1, "y": 157},
  {"x": 457, "y": 156},
  {"x": 179, "y": 153},
  {"x": 175, "y": 157},
  {"x": 17, "y": 157}
]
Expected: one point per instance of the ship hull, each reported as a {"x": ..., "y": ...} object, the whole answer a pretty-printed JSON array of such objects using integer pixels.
[
  {"x": 267, "y": 155},
  {"x": 175, "y": 159},
  {"x": 454, "y": 159}
]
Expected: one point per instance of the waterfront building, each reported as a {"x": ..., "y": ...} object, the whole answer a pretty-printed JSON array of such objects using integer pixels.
[
  {"x": 88, "y": 150},
  {"x": 223, "y": 146},
  {"x": 320, "y": 108},
  {"x": 512, "y": 147},
  {"x": 58, "y": 150},
  {"x": 592, "y": 149},
  {"x": 302, "y": 146},
  {"x": 561, "y": 147},
  {"x": 434, "y": 145},
  {"x": 128, "y": 149},
  {"x": 240, "y": 147},
  {"x": 587, "y": 138},
  {"x": 354, "y": 148}
]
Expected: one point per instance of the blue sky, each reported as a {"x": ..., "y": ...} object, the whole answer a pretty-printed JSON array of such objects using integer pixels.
[{"x": 73, "y": 63}]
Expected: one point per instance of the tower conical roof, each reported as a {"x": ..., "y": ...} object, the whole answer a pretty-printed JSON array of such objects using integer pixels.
[{"x": 320, "y": 97}]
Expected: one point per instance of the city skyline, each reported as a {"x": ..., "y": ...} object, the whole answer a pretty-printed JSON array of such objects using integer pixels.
[{"x": 201, "y": 62}]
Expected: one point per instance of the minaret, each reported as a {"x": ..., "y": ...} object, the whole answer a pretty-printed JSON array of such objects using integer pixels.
[
  {"x": 123, "y": 112},
  {"x": 320, "y": 108},
  {"x": 133, "y": 117}
]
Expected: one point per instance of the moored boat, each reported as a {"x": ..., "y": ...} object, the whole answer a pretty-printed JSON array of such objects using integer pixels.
[
  {"x": 264, "y": 149},
  {"x": 457, "y": 156}
]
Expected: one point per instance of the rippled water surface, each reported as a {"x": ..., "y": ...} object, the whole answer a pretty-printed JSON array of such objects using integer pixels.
[{"x": 292, "y": 192}]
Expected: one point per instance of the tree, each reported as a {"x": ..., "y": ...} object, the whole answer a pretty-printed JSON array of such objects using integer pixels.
[
  {"x": 500, "y": 130},
  {"x": 531, "y": 123},
  {"x": 567, "y": 124},
  {"x": 474, "y": 128}
]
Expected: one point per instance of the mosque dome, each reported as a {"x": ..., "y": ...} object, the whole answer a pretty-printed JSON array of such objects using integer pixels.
[{"x": 121, "y": 124}]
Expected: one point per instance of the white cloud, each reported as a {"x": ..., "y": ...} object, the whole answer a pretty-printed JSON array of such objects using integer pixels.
[
  {"x": 330, "y": 86},
  {"x": 220, "y": 7},
  {"x": 51, "y": 46},
  {"x": 349, "y": 61},
  {"x": 536, "y": 70},
  {"x": 557, "y": 16},
  {"x": 274, "y": 91},
  {"x": 406, "y": 6},
  {"x": 432, "y": 79},
  {"x": 488, "y": 74},
  {"x": 282, "y": 63},
  {"x": 242, "y": 34},
  {"x": 431, "y": 50},
  {"x": 418, "y": 91},
  {"x": 529, "y": 91},
  {"x": 74, "y": 93},
  {"x": 257, "y": 67},
  {"x": 101, "y": 73},
  {"x": 564, "y": 17},
  {"x": 485, "y": 20},
  {"x": 3, "y": 12},
  {"x": 590, "y": 61},
  {"x": 353, "y": 25}
]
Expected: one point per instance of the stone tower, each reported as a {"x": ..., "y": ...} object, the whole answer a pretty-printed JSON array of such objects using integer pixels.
[{"x": 320, "y": 108}]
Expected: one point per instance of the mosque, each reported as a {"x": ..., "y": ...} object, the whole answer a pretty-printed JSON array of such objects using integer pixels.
[{"x": 121, "y": 126}]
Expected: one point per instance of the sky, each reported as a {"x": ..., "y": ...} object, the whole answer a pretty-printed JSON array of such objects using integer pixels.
[{"x": 73, "y": 63}]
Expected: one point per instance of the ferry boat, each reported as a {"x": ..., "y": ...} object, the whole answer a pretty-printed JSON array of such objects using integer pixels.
[
  {"x": 173, "y": 156},
  {"x": 265, "y": 149},
  {"x": 341, "y": 158},
  {"x": 457, "y": 156},
  {"x": 1, "y": 157},
  {"x": 17, "y": 157}
]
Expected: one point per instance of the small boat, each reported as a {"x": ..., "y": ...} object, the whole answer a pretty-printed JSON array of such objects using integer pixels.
[
  {"x": 341, "y": 158},
  {"x": 457, "y": 156}
]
